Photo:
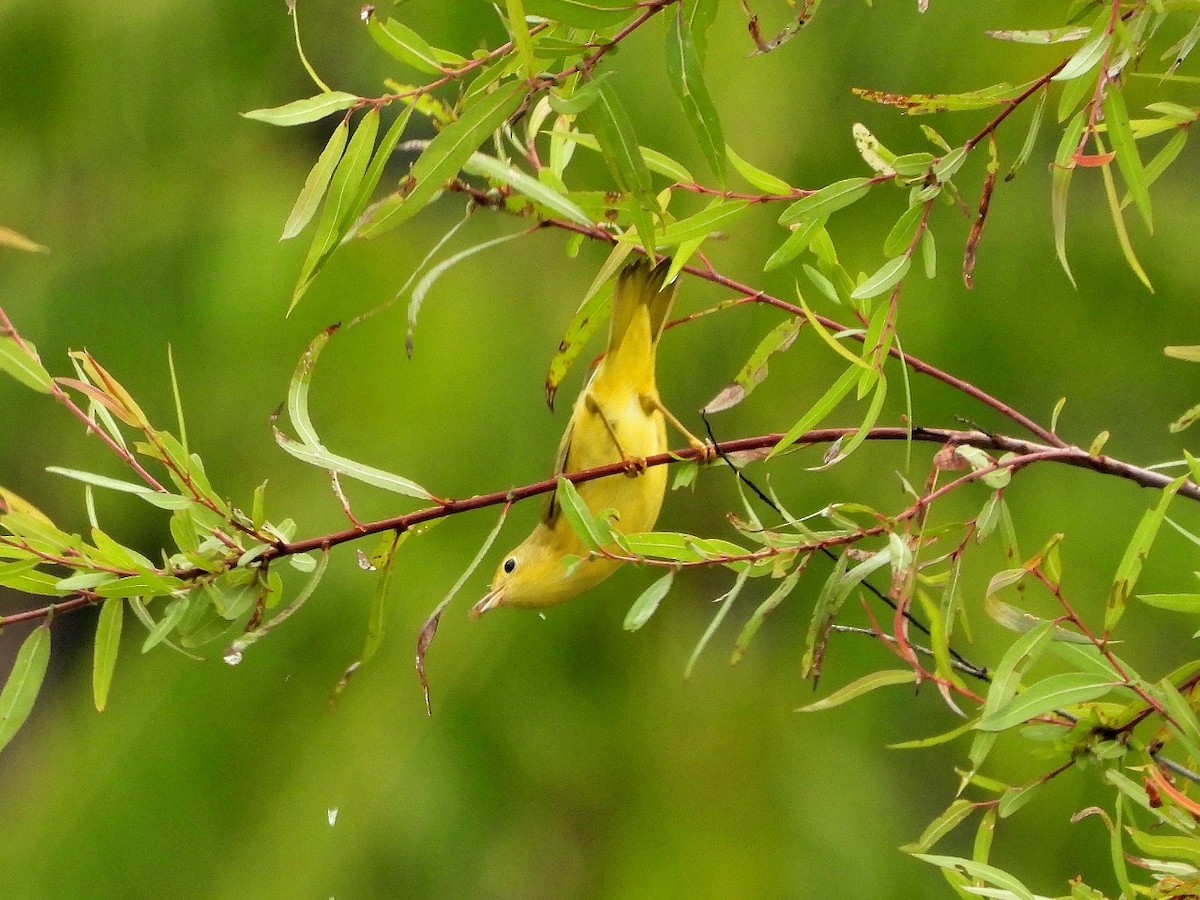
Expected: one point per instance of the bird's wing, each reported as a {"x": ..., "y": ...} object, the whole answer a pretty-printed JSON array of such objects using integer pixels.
[{"x": 552, "y": 508}]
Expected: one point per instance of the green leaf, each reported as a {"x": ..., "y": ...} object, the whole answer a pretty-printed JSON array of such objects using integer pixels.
[
  {"x": 826, "y": 201},
  {"x": 756, "y": 177},
  {"x": 552, "y": 200},
  {"x": 979, "y": 870},
  {"x": 611, "y": 125},
  {"x": 902, "y": 233},
  {"x": 442, "y": 160},
  {"x": 337, "y": 215},
  {"x": 1042, "y": 35},
  {"x": 577, "y": 514},
  {"x": 797, "y": 242},
  {"x": 519, "y": 29},
  {"x": 704, "y": 223},
  {"x": 687, "y": 80},
  {"x": 104, "y": 655},
  {"x": 754, "y": 372},
  {"x": 819, "y": 410},
  {"x": 404, "y": 45},
  {"x": 646, "y": 604},
  {"x": 924, "y": 104},
  {"x": 951, "y": 818},
  {"x": 860, "y": 686},
  {"x": 1060, "y": 183},
  {"x": 429, "y": 278},
  {"x": 315, "y": 184},
  {"x": 1135, "y": 554},
  {"x": 309, "y": 448},
  {"x": 888, "y": 276},
  {"x": 1128, "y": 161},
  {"x": 24, "y": 682},
  {"x": 601, "y": 14},
  {"x": 764, "y": 609},
  {"x": 23, "y": 366},
  {"x": 1186, "y": 603},
  {"x": 322, "y": 458},
  {"x": 1114, "y": 206},
  {"x": 1035, "y": 125},
  {"x": 298, "y": 112},
  {"x": 726, "y": 603},
  {"x": 1085, "y": 58},
  {"x": 588, "y": 317},
  {"x": 1045, "y": 696},
  {"x": 147, "y": 493}
]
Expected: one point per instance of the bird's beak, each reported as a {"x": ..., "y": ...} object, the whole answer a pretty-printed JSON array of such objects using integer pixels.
[{"x": 490, "y": 601}]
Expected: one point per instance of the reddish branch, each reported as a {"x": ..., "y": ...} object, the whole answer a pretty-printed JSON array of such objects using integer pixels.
[{"x": 1023, "y": 452}]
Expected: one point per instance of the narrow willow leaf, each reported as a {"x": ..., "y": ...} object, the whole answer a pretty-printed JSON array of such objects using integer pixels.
[
  {"x": 1116, "y": 117},
  {"x": 428, "y": 279},
  {"x": 656, "y": 162},
  {"x": 322, "y": 458},
  {"x": 924, "y": 104},
  {"x": 764, "y": 609},
  {"x": 404, "y": 45},
  {"x": 703, "y": 223},
  {"x": 819, "y": 410},
  {"x": 1085, "y": 58},
  {"x": 1114, "y": 207},
  {"x": 601, "y": 14},
  {"x": 552, "y": 200},
  {"x": 832, "y": 342},
  {"x": 1041, "y": 36},
  {"x": 24, "y": 682},
  {"x": 315, "y": 184},
  {"x": 337, "y": 214},
  {"x": 233, "y": 654},
  {"x": 646, "y": 604},
  {"x": 726, "y": 603},
  {"x": 756, "y": 177},
  {"x": 370, "y": 180},
  {"x": 582, "y": 96},
  {"x": 951, "y": 818},
  {"x": 298, "y": 112},
  {"x": 754, "y": 372},
  {"x": 860, "y": 686},
  {"x": 522, "y": 41},
  {"x": 887, "y": 277},
  {"x": 1035, "y": 125},
  {"x": 687, "y": 80},
  {"x": 157, "y": 498},
  {"x": 1045, "y": 696},
  {"x": 1135, "y": 555},
  {"x": 442, "y": 159},
  {"x": 860, "y": 435},
  {"x": 24, "y": 367},
  {"x": 797, "y": 242},
  {"x": 577, "y": 514},
  {"x": 613, "y": 129},
  {"x": 1164, "y": 846},
  {"x": 104, "y": 655},
  {"x": 980, "y": 870},
  {"x": 902, "y": 233},
  {"x": 826, "y": 201},
  {"x": 1060, "y": 183},
  {"x": 1186, "y": 603},
  {"x": 588, "y": 317}
]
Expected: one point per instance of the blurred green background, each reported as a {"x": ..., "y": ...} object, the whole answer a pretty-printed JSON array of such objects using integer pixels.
[{"x": 566, "y": 758}]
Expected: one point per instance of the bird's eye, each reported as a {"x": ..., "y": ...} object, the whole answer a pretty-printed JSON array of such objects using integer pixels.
[{"x": 509, "y": 565}]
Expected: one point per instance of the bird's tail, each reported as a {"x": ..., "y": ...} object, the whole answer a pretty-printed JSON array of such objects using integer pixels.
[{"x": 640, "y": 287}]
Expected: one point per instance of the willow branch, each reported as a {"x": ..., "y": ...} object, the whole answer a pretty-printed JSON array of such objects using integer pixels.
[{"x": 1024, "y": 452}]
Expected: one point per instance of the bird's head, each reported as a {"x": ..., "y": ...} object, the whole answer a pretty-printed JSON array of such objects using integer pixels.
[{"x": 536, "y": 573}]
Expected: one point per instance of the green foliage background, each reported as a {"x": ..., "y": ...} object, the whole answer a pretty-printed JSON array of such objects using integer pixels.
[{"x": 566, "y": 758}]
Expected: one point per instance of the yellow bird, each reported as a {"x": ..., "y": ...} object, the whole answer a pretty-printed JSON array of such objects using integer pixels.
[{"x": 618, "y": 416}]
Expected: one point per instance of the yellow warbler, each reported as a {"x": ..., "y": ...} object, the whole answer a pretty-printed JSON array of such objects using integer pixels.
[{"x": 618, "y": 416}]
